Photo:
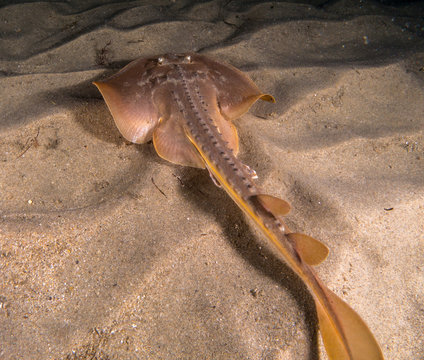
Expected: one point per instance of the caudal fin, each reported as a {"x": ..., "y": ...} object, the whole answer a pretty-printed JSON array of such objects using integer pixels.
[{"x": 344, "y": 333}]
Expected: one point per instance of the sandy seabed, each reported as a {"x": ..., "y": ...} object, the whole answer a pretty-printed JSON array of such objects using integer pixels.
[{"x": 109, "y": 252}]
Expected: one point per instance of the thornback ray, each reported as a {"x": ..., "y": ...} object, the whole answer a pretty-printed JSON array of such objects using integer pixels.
[{"x": 186, "y": 103}]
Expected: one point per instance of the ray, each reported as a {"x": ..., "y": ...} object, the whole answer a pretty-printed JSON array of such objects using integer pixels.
[{"x": 186, "y": 103}]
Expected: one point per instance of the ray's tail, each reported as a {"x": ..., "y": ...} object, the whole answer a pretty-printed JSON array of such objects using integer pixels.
[{"x": 344, "y": 333}]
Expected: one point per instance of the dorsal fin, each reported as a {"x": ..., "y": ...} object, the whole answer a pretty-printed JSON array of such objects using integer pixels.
[
  {"x": 277, "y": 207},
  {"x": 312, "y": 251},
  {"x": 344, "y": 333}
]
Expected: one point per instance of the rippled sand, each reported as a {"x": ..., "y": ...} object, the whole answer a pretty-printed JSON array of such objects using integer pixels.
[{"x": 109, "y": 252}]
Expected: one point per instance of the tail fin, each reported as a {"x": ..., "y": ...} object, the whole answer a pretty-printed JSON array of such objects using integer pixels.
[{"x": 344, "y": 333}]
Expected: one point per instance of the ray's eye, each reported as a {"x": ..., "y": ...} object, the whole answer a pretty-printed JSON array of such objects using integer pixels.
[
  {"x": 160, "y": 60},
  {"x": 188, "y": 58}
]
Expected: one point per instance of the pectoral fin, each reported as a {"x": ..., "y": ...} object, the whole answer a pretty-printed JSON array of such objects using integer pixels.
[
  {"x": 312, "y": 251},
  {"x": 130, "y": 103},
  {"x": 344, "y": 333},
  {"x": 236, "y": 93}
]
